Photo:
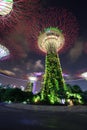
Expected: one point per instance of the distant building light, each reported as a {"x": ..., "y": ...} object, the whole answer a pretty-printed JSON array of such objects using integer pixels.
[
  {"x": 22, "y": 88},
  {"x": 32, "y": 79},
  {"x": 38, "y": 73},
  {"x": 0, "y": 83},
  {"x": 65, "y": 75},
  {"x": 14, "y": 86},
  {"x": 84, "y": 75}
]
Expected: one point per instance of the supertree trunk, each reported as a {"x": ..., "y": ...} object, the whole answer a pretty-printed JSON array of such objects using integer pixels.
[{"x": 54, "y": 84}]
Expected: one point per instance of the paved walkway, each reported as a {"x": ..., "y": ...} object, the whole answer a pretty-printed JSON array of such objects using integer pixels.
[
  {"x": 18, "y": 116},
  {"x": 78, "y": 108}
]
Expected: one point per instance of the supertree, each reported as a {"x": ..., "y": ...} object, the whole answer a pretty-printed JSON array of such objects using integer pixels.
[
  {"x": 12, "y": 49},
  {"x": 12, "y": 25},
  {"x": 4, "y": 52},
  {"x": 56, "y": 29},
  {"x": 11, "y": 11}
]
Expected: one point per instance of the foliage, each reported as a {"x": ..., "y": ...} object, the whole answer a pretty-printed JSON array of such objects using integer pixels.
[
  {"x": 75, "y": 93},
  {"x": 16, "y": 95},
  {"x": 76, "y": 89},
  {"x": 2, "y": 92},
  {"x": 84, "y": 96},
  {"x": 54, "y": 84}
]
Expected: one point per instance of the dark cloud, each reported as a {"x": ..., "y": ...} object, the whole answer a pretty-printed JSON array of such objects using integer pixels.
[{"x": 76, "y": 51}]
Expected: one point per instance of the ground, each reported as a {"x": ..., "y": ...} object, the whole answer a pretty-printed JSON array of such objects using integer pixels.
[{"x": 32, "y": 117}]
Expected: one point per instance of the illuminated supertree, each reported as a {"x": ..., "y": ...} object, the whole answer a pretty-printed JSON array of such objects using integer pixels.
[
  {"x": 11, "y": 11},
  {"x": 14, "y": 49},
  {"x": 55, "y": 31},
  {"x": 4, "y": 52},
  {"x": 12, "y": 24}
]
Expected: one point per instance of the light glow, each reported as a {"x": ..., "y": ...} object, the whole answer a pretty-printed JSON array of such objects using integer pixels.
[
  {"x": 84, "y": 75},
  {"x": 32, "y": 79},
  {"x": 5, "y": 7}
]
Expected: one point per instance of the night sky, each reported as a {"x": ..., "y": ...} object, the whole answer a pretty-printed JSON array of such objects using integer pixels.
[{"x": 73, "y": 61}]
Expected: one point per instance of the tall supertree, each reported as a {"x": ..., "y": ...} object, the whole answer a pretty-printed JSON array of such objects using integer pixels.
[
  {"x": 56, "y": 29},
  {"x": 4, "y": 52}
]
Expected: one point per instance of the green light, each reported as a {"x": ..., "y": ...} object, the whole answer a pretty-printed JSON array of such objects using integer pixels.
[
  {"x": 36, "y": 99},
  {"x": 8, "y": 0},
  {"x": 52, "y": 29}
]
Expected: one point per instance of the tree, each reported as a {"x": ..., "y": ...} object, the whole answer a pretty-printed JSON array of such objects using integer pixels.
[
  {"x": 53, "y": 80},
  {"x": 76, "y": 89},
  {"x": 2, "y": 92},
  {"x": 14, "y": 95}
]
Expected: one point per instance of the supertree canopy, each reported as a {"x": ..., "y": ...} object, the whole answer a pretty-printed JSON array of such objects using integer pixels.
[
  {"x": 5, "y": 7},
  {"x": 60, "y": 19},
  {"x": 56, "y": 31},
  {"x": 15, "y": 49},
  {"x": 12, "y": 25},
  {"x": 51, "y": 39},
  {"x": 4, "y": 52},
  {"x": 11, "y": 11}
]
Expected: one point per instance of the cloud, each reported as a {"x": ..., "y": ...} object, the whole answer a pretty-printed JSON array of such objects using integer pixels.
[
  {"x": 76, "y": 51},
  {"x": 38, "y": 65},
  {"x": 85, "y": 47},
  {"x": 7, "y": 72},
  {"x": 34, "y": 66},
  {"x": 16, "y": 69},
  {"x": 29, "y": 65}
]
